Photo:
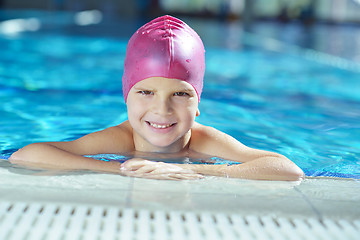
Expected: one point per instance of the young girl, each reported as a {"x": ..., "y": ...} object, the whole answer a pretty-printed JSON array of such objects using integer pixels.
[{"x": 162, "y": 85}]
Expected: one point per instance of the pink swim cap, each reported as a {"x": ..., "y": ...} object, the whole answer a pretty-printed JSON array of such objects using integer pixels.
[{"x": 165, "y": 47}]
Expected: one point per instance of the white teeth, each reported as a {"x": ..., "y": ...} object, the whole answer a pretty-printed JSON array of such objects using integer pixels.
[{"x": 160, "y": 126}]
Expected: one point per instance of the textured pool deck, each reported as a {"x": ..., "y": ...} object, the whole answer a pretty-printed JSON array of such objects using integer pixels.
[
  {"x": 313, "y": 197},
  {"x": 105, "y": 206},
  {"x": 42, "y": 205}
]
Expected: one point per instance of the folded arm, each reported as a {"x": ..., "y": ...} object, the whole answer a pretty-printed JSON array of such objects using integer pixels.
[
  {"x": 49, "y": 156},
  {"x": 265, "y": 168},
  {"x": 68, "y": 155},
  {"x": 256, "y": 164}
]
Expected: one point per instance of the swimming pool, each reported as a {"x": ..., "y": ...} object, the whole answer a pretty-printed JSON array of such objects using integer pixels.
[{"x": 64, "y": 81}]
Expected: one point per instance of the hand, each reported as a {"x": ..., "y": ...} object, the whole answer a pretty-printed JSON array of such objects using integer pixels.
[{"x": 156, "y": 170}]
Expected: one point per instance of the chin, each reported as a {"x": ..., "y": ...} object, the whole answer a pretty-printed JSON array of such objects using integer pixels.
[{"x": 163, "y": 145}]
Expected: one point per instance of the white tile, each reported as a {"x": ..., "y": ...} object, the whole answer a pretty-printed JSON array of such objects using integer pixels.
[
  {"x": 77, "y": 187},
  {"x": 161, "y": 200},
  {"x": 329, "y": 197},
  {"x": 337, "y": 209},
  {"x": 226, "y": 203},
  {"x": 331, "y": 189},
  {"x": 89, "y": 196},
  {"x": 333, "y": 197},
  {"x": 219, "y": 185},
  {"x": 153, "y": 185},
  {"x": 221, "y": 195},
  {"x": 63, "y": 180}
]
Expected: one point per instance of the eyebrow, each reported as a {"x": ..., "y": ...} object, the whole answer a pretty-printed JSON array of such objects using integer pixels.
[
  {"x": 174, "y": 90},
  {"x": 144, "y": 88},
  {"x": 185, "y": 90}
]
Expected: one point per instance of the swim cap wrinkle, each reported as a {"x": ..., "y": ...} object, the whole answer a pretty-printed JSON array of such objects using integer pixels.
[{"x": 165, "y": 47}]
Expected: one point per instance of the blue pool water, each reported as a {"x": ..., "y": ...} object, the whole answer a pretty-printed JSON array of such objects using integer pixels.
[{"x": 64, "y": 81}]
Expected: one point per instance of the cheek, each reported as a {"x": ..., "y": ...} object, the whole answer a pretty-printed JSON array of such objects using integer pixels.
[
  {"x": 134, "y": 111},
  {"x": 187, "y": 111}
]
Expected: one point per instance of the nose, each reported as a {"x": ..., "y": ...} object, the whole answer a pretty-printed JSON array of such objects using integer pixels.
[{"x": 162, "y": 106}]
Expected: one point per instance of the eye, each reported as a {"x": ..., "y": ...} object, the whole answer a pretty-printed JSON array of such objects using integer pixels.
[
  {"x": 145, "y": 92},
  {"x": 181, "y": 94}
]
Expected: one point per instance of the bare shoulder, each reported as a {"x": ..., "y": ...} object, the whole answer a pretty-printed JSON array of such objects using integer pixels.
[
  {"x": 208, "y": 140},
  {"x": 211, "y": 141},
  {"x": 199, "y": 130},
  {"x": 122, "y": 131},
  {"x": 117, "y": 139},
  {"x": 113, "y": 139}
]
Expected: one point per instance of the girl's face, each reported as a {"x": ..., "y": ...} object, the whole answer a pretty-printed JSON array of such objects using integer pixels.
[{"x": 162, "y": 112}]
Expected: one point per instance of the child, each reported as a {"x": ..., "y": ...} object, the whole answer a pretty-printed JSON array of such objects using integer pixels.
[{"x": 162, "y": 84}]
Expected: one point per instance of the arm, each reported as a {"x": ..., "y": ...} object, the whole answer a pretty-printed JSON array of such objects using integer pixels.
[
  {"x": 265, "y": 168},
  {"x": 138, "y": 167},
  {"x": 68, "y": 155},
  {"x": 256, "y": 164}
]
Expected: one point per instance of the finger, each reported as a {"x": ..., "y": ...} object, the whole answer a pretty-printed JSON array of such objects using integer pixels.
[
  {"x": 171, "y": 171},
  {"x": 171, "y": 176},
  {"x": 160, "y": 177},
  {"x": 134, "y": 164},
  {"x": 140, "y": 172},
  {"x": 159, "y": 168},
  {"x": 178, "y": 176},
  {"x": 148, "y": 176},
  {"x": 147, "y": 169}
]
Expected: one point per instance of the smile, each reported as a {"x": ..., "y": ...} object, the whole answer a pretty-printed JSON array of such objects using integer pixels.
[{"x": 160, "y": 126}]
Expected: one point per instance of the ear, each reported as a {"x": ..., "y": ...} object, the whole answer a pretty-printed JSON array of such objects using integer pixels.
[{"x": 197, "y": 112}]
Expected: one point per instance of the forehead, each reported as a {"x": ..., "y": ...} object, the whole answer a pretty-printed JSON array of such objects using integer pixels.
[{"x": 164, "y": 83}]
